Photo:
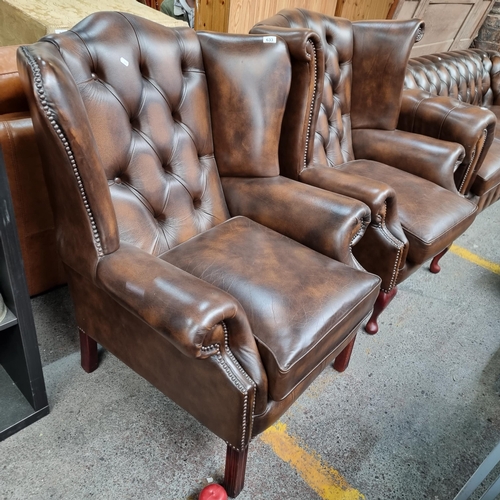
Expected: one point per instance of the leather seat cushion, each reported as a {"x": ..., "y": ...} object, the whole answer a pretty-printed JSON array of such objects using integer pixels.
[
  {"x": 300, "y": 304},
  {"x": 432, "y": 217},
  {"x": 488, "y": 175}
]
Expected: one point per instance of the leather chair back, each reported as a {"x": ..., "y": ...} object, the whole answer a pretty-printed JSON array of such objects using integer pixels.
[
  {"x": 147, "y": 112},
  {"x": 349, "y": 99}
]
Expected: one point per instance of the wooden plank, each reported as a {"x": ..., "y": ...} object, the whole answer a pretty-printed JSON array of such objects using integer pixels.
[
  {"x": 246, "y": 13},
  {"x": 420, "y": 49},
  {"x": 356, "y": 10},
  {"x": 395, "y": 9},
  {"x": 212, "y": 15},
  {"x": 406, "y": 10},
  {"x": 472, "y": 24},
  {"x": 443, "y": 21},
  {"x": 422, "y": 6}
]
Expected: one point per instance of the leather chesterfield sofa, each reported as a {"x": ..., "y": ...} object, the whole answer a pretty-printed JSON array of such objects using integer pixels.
[
  {"x": 229, "y": 318},
  {"x": 34, "y": 219},
  {"x": 347, "y": 85},
  {"x": 460, "y": 92}
]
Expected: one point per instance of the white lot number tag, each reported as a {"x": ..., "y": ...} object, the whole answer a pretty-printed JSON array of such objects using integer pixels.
[{"x": 269, "y": 39}]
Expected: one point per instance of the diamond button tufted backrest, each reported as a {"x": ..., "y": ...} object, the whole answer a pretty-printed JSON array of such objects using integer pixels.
[
  {"x": 144, "y": 90},
  {"x": 332, "y": 140},
  {"x": 463, "y": 74}
]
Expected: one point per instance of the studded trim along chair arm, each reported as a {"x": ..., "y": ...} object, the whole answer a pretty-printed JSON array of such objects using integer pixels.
[
  {"x": 426, "y": 157},
  {"x": 451, "y": 120},
  {"x": 326, "y": 222},
  {"x": 384, "y": 234}
]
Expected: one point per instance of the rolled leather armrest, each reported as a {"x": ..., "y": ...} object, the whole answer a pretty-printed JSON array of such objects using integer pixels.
[
  {"x": 426, "y": 157},
  {"x": 384, "y": 247},
  {"x": 450, "y": 120},
  {"x": 380, "y": 198},
  {"x": 184, "y": 308},
  {"x": 326, "y": 222}
]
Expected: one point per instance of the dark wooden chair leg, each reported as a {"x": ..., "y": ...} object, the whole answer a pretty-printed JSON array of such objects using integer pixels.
[
  {"x": 342, "y": 360},
  {"x": 234, "y": 476},
  {"x": 435, "y": 267},
  {"x": 88, "y": 351},
  {"x": 383, "y": 300}
]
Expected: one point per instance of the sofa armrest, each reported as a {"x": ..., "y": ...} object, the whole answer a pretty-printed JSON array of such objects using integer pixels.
[
  {"x": 178, "y": 305},
  {"x": 450, "y": 120},
  {"x": 426, "y": 157},
  {"x": 326, "y": 222},
  {"x": 494, "y": 57}
]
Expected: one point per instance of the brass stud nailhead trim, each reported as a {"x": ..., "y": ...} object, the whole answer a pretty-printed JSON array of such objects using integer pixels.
[
  {"x": 313, "y": 101},
  {"x": 50, "y": 116}
]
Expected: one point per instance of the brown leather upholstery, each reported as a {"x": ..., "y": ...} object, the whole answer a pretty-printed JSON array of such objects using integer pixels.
[
  {"x": 227, "y": 317},
  {"x": 354, "y": 148},
  {"x": 35, "y": 223},
  {"x": 460, "y": 92}
]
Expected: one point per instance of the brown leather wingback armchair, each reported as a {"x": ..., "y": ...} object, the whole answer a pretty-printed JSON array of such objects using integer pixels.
[
  {"x": 228, "y": 318},
  {"x": 347, "y": 86},
  {"x": 35, "y": 223}
]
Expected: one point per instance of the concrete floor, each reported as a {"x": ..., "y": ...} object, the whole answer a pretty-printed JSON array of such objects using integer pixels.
[{"x": 413, "y": 416}]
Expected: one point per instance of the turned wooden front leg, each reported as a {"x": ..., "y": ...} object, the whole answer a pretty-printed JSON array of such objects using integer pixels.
[{"x": 88, "y": 352}]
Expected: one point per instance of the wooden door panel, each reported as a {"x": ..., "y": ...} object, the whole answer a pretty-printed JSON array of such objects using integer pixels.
[{"x": 449, "y": 24}]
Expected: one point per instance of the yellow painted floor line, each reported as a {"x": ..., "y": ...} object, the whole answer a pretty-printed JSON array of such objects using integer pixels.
[
  {"x": 472, "y": 257},
  {"x": 319, "y": 476}
]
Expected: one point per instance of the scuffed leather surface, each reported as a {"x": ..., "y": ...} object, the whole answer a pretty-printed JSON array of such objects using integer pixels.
[
  {"x": 78, "y": 233},
  {"x": 294, "y": 298},
  {"x": 246, "y": 109},
  {"x": 324, "y": 221},
  {"x": 426, "y": 157},
  {"x": 181, "y": 194},
  {"x": 432, "y": 217}
]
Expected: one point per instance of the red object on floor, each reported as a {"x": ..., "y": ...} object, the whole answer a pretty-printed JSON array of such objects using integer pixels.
[{"x": 213, "y": 492}]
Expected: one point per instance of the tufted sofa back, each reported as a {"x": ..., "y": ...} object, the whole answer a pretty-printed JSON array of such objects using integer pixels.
[
  {"x": 470, "y": 75},
  {"x": 138, "y": 121}
]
